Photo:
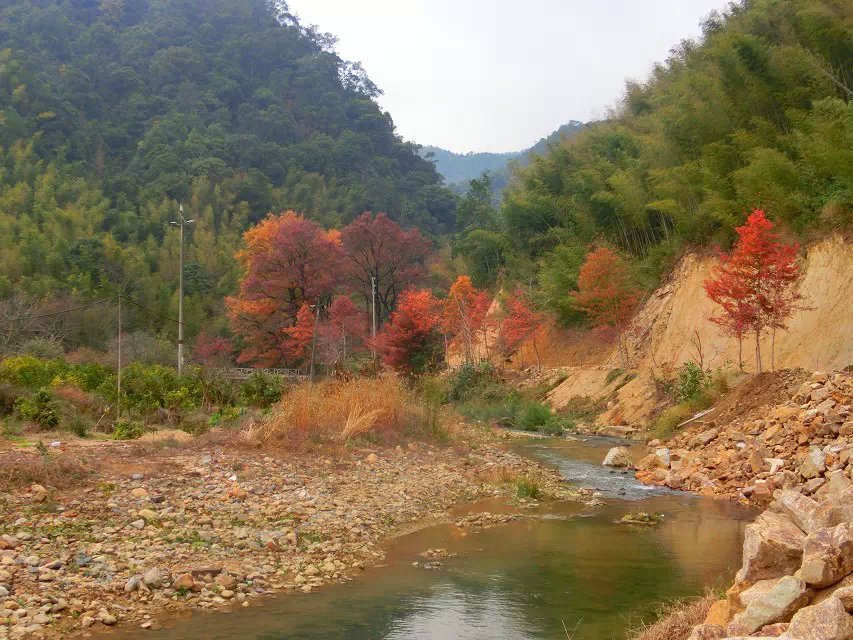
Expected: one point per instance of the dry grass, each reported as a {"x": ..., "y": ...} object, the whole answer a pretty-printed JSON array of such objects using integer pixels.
[
  {"x": 18, "y": 469},
  {"x": 676, "y": 619},
  {"x": 380, "y": 410}
]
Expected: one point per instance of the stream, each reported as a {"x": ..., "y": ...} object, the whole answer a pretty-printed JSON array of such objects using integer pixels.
[{"x": 564, "y": 571}]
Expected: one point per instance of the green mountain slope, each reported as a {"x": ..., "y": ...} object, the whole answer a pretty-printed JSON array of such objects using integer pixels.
[
  {"x": 112, "y": 111},
  {"x": 756, "y": 114}
]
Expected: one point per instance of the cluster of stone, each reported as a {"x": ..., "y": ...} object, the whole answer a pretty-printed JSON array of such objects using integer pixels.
[
  {"x": 796, "y": 581},
  {"x": 795, "y": 445}
]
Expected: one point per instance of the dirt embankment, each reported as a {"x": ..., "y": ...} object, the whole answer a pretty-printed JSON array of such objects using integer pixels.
[
  {"x": 673, "y": 327},
  {"x": 208, "y": 524}
]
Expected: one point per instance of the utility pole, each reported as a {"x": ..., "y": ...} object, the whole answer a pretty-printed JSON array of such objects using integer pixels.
[
  {"x": 118, "y": 373},
  {"x": 314, "y": 342},
  {"x": 181, "y": 222},
  {"x": 373, "y": 313}
]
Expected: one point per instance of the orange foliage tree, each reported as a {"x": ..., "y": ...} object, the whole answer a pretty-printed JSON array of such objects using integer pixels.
[
  {"x": 753, "y": 285},
  {"x": 521, "y": 322},
  {"x": 298, "y": 337},
  {"x": 606, "y": 295},
  {"x": 288, "y": 261},
  {"x": 410, "y": 341},
  {"x": 344, "y": 331}
]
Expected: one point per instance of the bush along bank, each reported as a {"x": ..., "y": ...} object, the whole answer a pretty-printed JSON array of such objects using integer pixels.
[{"x": 795, "y": 445}]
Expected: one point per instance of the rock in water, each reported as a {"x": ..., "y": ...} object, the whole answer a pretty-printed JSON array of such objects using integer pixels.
[{"x": 618, "y": 457}]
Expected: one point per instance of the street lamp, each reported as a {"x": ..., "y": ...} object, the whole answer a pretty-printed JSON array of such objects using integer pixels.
[{"x": 180, "y": 223}]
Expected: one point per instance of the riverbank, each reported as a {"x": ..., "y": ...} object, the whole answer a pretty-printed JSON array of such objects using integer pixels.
[
  {"x": 166, "y": 527},
  {"x": 748, "y": 452}
]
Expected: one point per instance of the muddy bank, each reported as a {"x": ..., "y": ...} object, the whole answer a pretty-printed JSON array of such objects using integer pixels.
[{"x": 210, "y": 526}]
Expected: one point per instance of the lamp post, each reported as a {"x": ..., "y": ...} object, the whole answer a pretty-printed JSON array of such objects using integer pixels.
[{"x": 180, "y": 223}]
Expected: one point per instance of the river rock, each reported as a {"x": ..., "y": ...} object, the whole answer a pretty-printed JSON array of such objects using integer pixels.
[
  {"x": 773, "y": 547},
  {"x": 827, "y": 556},
  {"x": 184, "y": 582},
  {"x": 825, "y": 621},
  {"x": 707, "y": 632},
  {"x": 618, "y": 457},
  {"x": 778, "y": 603},
  {"x": 814, "y": 464},
  {"x": 153, "y": 578},
  {"x": 617, "y": 431}
]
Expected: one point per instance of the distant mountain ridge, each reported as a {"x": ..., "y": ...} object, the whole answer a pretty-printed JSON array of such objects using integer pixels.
[{"x": 458, "y": 168}]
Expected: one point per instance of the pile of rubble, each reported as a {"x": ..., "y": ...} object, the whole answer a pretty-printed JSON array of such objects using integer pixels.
[
  {"x": 796, "y": 445},
  {"x": 796, "y": 581}
]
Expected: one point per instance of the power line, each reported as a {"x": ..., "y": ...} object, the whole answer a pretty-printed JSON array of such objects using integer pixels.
[
  {"x": 57, "y": 313},
  {"x": 150, "y": 311}
]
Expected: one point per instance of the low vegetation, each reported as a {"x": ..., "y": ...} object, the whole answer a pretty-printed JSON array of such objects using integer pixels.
[
  {"x": 55, "y": 394},
  {"x": 382, "y": 410},
  {"x": 676, "y": 619},
  {"x": 479, "y": 394},
  {"x": 693, "y": 390}
]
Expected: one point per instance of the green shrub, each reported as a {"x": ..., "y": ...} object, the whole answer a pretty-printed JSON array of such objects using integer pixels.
[
  {"x": 78, "y": 426},
  {"x": 148, "y": 387},
  {"x": 31, "y": 373},
  {"x": 527, "y": 488},
  {"x": 261, "y": 390},
  {"x": 667, "y": 422},
  {"x": 127, "y": 430},
  {"x": 532, "y": 416},
  {"x": 612, "y": 375},
  {"x": 691, "y": 382},
  {"x": 39, "y": 408},
  {"x": 226, "y": 416},
  {"x": 472, "y": 380}
]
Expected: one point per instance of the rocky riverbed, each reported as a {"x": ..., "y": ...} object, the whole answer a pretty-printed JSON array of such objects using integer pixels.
[
  {"x": 791, "y": 445},
  {"x": 208, "y": 526}
]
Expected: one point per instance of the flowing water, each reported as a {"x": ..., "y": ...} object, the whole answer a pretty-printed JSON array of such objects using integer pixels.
[{"x": 564, "y": 571}]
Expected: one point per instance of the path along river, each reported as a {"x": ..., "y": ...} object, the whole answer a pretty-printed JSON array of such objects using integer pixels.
[{"x": 562, "y": 571}]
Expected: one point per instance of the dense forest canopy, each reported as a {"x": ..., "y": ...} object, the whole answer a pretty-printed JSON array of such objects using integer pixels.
[
  {"x": 112, "y": 111},
  {"x": 756, "y": 114}
]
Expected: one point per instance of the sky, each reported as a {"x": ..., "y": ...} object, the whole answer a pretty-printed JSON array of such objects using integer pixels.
[{"x": 498, "y": 75}]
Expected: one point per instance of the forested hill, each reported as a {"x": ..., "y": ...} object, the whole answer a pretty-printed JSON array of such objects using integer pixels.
[
  {"x": 756, "y": 114},
  {"x": 112, "y": 111},
  {"x": 459, "y": 168}
]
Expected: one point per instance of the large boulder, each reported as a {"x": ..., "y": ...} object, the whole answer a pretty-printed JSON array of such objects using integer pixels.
[
  {"x": 801, "y": 509},
  {"x": 827, "y": 556},
  {"x": 772, "y": 547},
  {"x": 828, "y": 620},
  {"x": 618, "y": 457},
  {"x": 776, "y": 604},
  {"x": 814, "y": 463}
]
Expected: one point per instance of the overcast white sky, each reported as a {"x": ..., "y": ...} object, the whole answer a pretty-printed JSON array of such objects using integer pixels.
[{"x": 497, "y": 75}]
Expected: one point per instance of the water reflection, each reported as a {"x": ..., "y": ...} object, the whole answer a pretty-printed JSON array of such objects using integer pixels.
[{"x": 560, "y": 567}]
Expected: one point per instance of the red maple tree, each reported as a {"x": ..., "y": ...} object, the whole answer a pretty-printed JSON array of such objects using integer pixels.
[
  {"x": 288, "y": 261},
  {"x": 212, "y": 351},
  {"x": 297, "y": 338},
  {"x": 410, "y": 340},
  {"x": 753, "y": 284},
  {"x": 521, "y": 322},
  {"x": 380, "y": 251},
  {"x": 344, "y": 331},
  {"x": 606, "y": 295}
]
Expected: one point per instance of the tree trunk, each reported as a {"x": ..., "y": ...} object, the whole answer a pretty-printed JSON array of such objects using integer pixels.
[
  {"x": 773, "y": 350},
  {"x": 758, "y": 351},
  {"x": 536, "y": 353},
  {"x": 740, "y": 352}
]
